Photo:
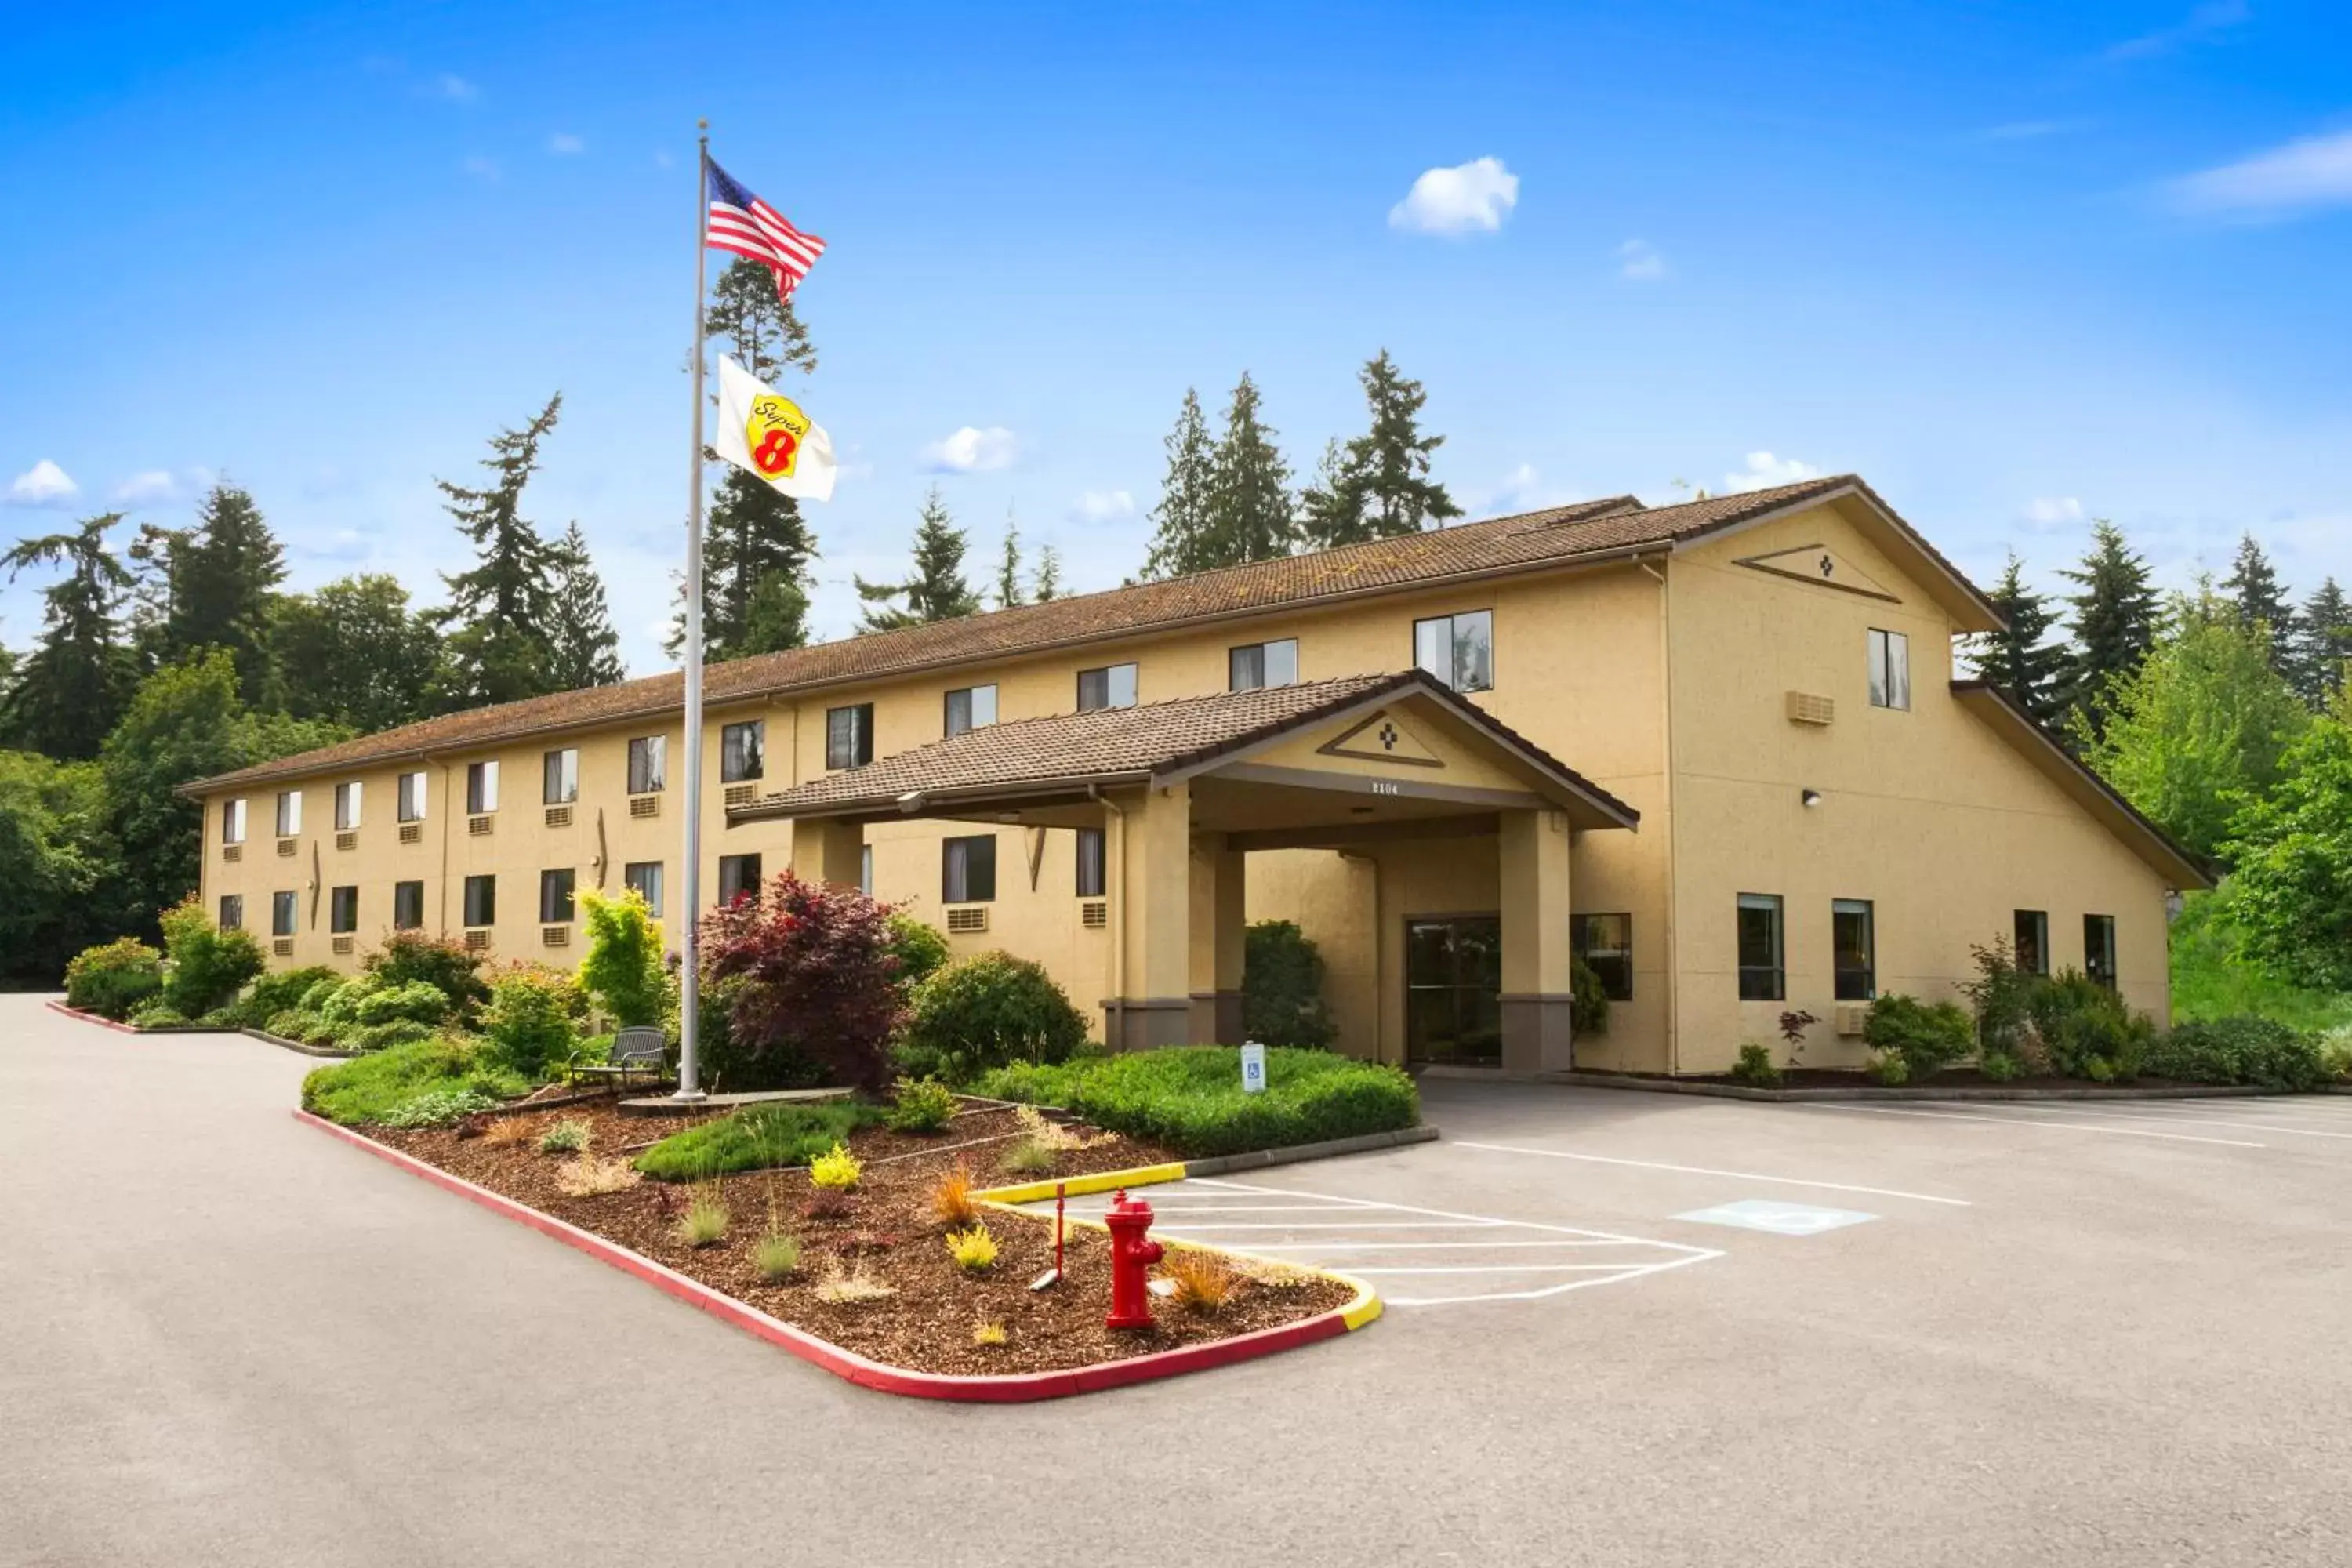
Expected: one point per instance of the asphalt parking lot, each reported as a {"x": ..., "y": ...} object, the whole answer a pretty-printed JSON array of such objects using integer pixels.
[{"x": 1906, "y": 1335}]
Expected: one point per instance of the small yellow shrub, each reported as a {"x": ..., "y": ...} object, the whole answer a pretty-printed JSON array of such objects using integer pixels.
[
  {"x": 988, "y": 1334},
  {"x": 972, "y": 1250},
  {"x": 837, "y": 1168},
  {"x": 952, "y": 1203}
]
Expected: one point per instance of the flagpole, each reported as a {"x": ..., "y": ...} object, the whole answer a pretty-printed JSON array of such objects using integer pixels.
[{"x": 690, "y": 972}]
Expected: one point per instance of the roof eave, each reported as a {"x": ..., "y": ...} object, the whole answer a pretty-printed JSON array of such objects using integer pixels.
[{"x": 775, "y": 809}]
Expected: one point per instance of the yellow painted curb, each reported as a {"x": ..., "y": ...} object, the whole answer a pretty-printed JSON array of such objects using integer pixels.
[{"x": 1100, "y": 1181}]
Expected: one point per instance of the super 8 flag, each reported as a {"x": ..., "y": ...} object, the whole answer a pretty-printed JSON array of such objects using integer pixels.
[
  {"x": 768, "y": 434},
  {"x": 742, "y": 223}
]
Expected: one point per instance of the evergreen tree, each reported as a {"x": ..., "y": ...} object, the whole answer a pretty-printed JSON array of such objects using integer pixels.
[
  {"x": 1183, "y": 543},
  {"x": 755, "y": 326},
  {"x": 1047, "y": 585},
  {"x": 2113, "y": 625},
  {"x": 503, "y": 610},
  {"x": 1378, "y": 486},
  {"x": 2323, "y": 641},
  {"x": 2023, "y": 661},
  {"x": 937, "y": 592},
  {"x": 159, "y": 565},
  {"x": 1008, "y": 568},
  {"x": 2253, "y": 589},
  {"x": 224, "y": 571},
  {"x": 1250, "y": 516},
  {"x": 354, "y": 654},
  {"x": 583, "y": 648},
  {"x": 68, "y": 693}
]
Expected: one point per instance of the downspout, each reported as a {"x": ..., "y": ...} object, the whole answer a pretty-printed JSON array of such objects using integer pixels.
[
  {"x": 1116, "y": 891},
  {"x": 1673, "y": 827},
  {"x": 446, "y": 822}
]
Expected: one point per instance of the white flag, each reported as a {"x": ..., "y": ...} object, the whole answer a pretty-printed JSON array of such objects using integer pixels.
[{"x": 767, "y": 433}]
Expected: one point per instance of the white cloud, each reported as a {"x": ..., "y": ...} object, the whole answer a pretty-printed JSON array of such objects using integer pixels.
[
  {"x": 155, "y": 484},
  {"x": 1764, "y": 470},
  {"x": 971, "y": 450},
  {"x": 1474, "y": 196},
  {"x": 1638, "y": 260},
  {"x": 2031, "y": 130},
  {"x": 1102, "y": 506},
  {"x": 2050, "y": 511},
  {"x": 2212, "y": 16},
  {"x": 43, "y": 484},
  {"x": 563, "y": 144},
  {"x": 455, "y": 88},
  {"x": 2316, "y": 171},
  {"x": 481, "y": 168}
]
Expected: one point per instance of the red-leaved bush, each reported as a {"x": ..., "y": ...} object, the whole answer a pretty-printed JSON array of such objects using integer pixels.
[{"x": 814, "y": 974}]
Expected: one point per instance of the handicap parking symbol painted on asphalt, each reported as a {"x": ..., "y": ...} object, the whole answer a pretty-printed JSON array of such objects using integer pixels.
[{"x": 1779, "y": 1218}]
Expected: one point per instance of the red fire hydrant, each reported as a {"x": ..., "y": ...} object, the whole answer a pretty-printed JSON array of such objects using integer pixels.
[{"x": 1131, "y": 1258}]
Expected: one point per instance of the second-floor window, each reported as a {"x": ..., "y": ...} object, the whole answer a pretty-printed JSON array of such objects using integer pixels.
[
  {"x": 1257, "y": 664},
  {"x": 481, "y": 787},
  {"x": 289, "y": 813},
  {"x": 644, "y": 878},
  {"x": 743, "y": 751},
  {"x": 481, "y": 900},
  {"x": 1890, "y": 669},
  {"x": 1090, "y": 862},
  {"x": 1457, "y": 649},
  {"x": 281, "y": 914},
  {"x": 968, "y": 869},
  {"x": 343, "y": 911},
  {"x": 738, "y": 877},
  {"x": 412, "y": 797},
  {"x": 849, "y": 736},
  {"x": 233, "y": 822},
  {"x": 347, "y": 806},
  {"x": 560, "y": 773},
  {"x": 1112, "y": 686},
  {"x": 970, "y": 708},
  {"x": 648, "y": 764}
]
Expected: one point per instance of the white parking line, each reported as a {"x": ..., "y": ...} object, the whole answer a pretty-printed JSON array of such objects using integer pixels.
[
  {"x": 2172, "y": 1119},
  {"x": 1988, "y": 1120},
  {"x": 1705, "y": 1171}
]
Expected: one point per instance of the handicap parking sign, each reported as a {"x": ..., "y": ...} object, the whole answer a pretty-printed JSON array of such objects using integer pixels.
[
  {"x": 1253, "y": 1067},
  {"x": 1779, "y": 1218}
]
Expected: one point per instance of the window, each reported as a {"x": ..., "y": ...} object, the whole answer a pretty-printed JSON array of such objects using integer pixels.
[
  {"x": 648, "y": 764},
  {"x": 1457, "y": 649},
  {"x": 849, "y": 736},
  {"x": 2032, "y": 941},
  {"x": 1761, "y": 979},
  {"x": 481, "y": 900},
  {"x": 644, "y": 878},
  {"x": 1113, "y": 686},
  {"x": 1262, "y": 664},
  {"x": 232, "y": 912},
  {"x": 970, "y": 708},
  {"x": 743, "y": 751},
  {"x": 555, "y": 896},
  {"x": 481, "y": 787},
  {"x": 289, "y": 813},
  {"x": 281, "y": 914},
  {"x": 866, "y": 869},
  {"x": 407, "y": 906},
  {"x": 347, "y": 806},
  {"x": 2099, "y": 949},
  {"x": 1853, "y": 946},
  {"x": 560, "y": 771},
  {"x": 343, "y": 911},
  {"x": 411, "y": 805},
  {"x": 1090, "y": 862},
  {"x": 1605, "y": 944},
  {"x": 233, "y": 822},
  {"x": 738, "y": 877},
  {"x": 1890, "y": 669},
  {"x": 968, "y": 869}
]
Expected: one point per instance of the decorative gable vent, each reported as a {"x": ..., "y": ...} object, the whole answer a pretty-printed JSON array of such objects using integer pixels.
[
  {"x": 1810, "y": 708},
  {"x": 966, "y": 920}
]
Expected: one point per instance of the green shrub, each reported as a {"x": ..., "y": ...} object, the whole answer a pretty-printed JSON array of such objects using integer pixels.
[
  {"x": 985, "y": 1013},
  {"x": 1027, "y": 1157},
  {"x": 1756, "y": 1066},
  {"x": 371, "y": 1087},
  {"x": 2239, "y": 1050},
  {"x": 532, "y": 1023},
  {"x": 274, "y": 993},
  {"x": 2001, "y": 1066},
  {"x": 288, "y": 1024},
  {"x": 341, "y": 1005},
  {"x": 159, "y": 1015},
  {"x": 407, "y": 956},
  {"x": 2079, "y": 1022},
  {"x": 921, "y": 1105},
  {"x": 1588, "y": 1008},
  {"x": 1282, "y": 988},
  {"x": 325, "y": 1031},
  {"x": 756, "y": 1138},
  {"x": 1890, "y": 1068},
  {"x": 2336, "y": 1053},
  {"x": 720, "y": 1063},
  {"x": 1191, "y": 1098},
  {"x": 315, "y": 999},
  {"x": 416, "y": 1002},
  {"x": 2001, "y": 995},
  {"x": 921, "y": 950},
  {"x": 228, "y": 1017},
  {"x": 566, "y": 1137},
  {"x": 1928, "y": 1035},
  {"x": 384, "y": 1036},
  {"x": 208, "y": 965},
  {"x": 440, "y": 1107},
  {"x": 114, "y": 980},
  {"x": 624, "y": 967}
]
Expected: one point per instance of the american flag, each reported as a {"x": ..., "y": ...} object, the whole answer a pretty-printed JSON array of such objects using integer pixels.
[{"x": 742, "y": 223}]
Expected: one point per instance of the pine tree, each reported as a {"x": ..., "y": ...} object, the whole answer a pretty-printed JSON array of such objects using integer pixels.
[
  {"x": 1183, "y": 543},
  {"x": 2113, "y": 625},
  {"x": 225, "y": 574},
  {"x": 583, "y": 648},
  {"x": 1047, "y": 584},
  {"x": 71, "y": 689},
  {"x": 937, "y": 592},
  {"x": 1250, "y": 515},
  {"x": 1008, "y": 568},
  {"x": 2253, "y": 590},
  {"x": 2323, "y": 641},
  {"x": 759, "y": 328},
  {"x": 352, "y": 653},
  {"x": 2023, "y": 661},
  {"x": 1379, "y": 485},
  {"x": 503, "y": 610}
]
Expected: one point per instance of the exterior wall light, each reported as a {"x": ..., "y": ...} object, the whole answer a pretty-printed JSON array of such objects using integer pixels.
[{"x": 1811, "y": 798}]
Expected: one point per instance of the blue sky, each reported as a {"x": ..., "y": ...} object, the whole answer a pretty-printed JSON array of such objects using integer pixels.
[{"x": 2020, "y": 266}]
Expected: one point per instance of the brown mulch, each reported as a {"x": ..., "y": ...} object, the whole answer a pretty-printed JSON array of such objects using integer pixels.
[{"x": 888, "y": 1233}]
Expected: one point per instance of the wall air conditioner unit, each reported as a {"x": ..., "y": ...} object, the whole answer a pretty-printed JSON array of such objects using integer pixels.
[
  {"x": 1094, "y": 914},
  {"x": 1810, "y": 708},
  {"x": 738, "y": 794},
  {"x": 559, "y": 816},
  {"x": 342, "y": 946},
  {"x": 964, "y": 921},
  {"x": 645, "y": 806},
  {"x": 1852, "y": 1020},
  {"x": 412, "y": 833},
  {"x": 478, "y": 942},
  {"x": 479, "y": 826},
  {"x": 347, "y": 840}
]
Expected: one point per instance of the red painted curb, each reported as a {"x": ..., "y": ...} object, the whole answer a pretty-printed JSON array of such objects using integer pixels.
[
  {"x": 90, "y": 1019},
  {"x": 1006, "y": 1389}
]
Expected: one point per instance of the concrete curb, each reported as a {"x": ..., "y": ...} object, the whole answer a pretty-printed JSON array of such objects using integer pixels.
[
  {"x": 1959, "y": 1092},
  {"x": 1007, "y": 1389},
  {"x": 330, "y": 1052}
]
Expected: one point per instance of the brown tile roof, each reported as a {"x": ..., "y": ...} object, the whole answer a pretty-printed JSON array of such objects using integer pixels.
[
  {"x": 1529, "y": 541},
  {"x": 1153, "y": 738}
]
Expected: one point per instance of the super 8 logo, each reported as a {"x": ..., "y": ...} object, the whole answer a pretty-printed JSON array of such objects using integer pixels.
[{"x": 773, "y": 432}]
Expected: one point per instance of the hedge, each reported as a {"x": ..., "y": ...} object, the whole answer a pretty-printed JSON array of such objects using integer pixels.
[{"x": 1190, "y": 1097}]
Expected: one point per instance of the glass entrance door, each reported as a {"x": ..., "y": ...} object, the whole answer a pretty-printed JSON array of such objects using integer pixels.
[{"x": 1453, "y": 986}]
